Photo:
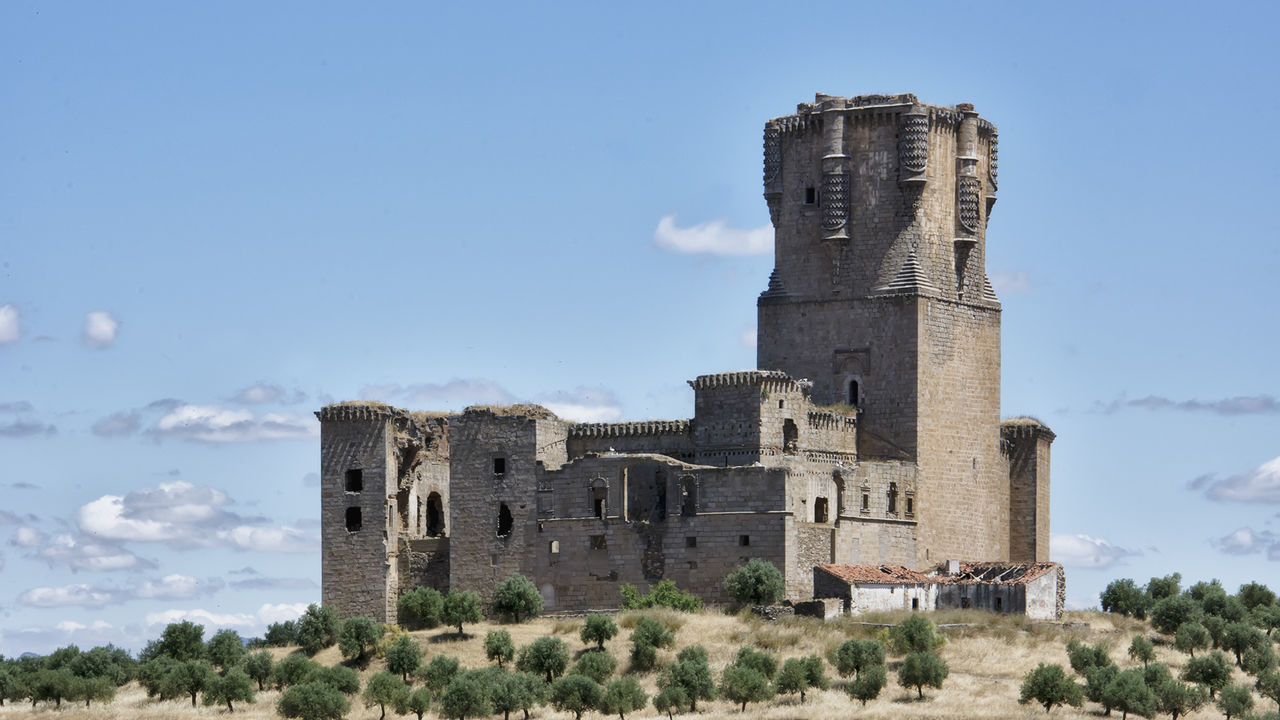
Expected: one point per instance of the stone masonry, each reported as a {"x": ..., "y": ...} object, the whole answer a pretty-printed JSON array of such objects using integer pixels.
[{"x": 870, "y": 434}]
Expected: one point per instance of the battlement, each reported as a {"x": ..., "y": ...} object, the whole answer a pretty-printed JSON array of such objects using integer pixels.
[
  {"x": 651, "y": 428},
  {"x": 520, "y": 410},
  {"x": 832, "y": 420},
  {"x": 356, "y": 411},
  {"x": 1024, "y": 427},
  {"x": 767, "y": 380}
]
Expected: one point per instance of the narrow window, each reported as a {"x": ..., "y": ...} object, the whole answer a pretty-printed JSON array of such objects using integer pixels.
[
  {"x": 965, "y": 604},
  {"x": 780, "y": 404},
  {"x": 893, "y": 498},
  {"x": 853, "y": 393},
  {"x": 820, "y": 510},
  {"x": 691, "y": 541},
  {"x": 810, "y": 196},
  {"x": 353, "y": 519},
  {"x": 499, "y": 466},
  {"x": 744, "y": 540},
  {"x": 553, "y": 548},
  {"x": 597, "y": 502},
  {"x": 598, "y": 542},
  {"x": 866, "y": 502},
  {"x": 910, "y": 506},
  {"x": 354, "y": 480},
  {"x": 790, "y": 436},
  {"x": 504, "y": 520},
  {"x": 688, "y": 496},
  {"x": 915, "y": 603}
]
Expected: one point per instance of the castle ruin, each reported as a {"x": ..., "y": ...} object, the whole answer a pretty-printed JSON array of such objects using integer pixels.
[{"x": 869, "y": 434}]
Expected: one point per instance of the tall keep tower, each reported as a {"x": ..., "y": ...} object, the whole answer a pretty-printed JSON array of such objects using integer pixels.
[{"x": 879, "y": 295}]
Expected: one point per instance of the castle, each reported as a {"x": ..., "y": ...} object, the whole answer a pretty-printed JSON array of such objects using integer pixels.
[{"x": 870, "y": 434}]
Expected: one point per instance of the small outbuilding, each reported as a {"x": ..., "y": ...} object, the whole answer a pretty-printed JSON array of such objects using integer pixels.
[
  {"x": 1037, "y": 590},
  {"x": 865, "y": 588}
]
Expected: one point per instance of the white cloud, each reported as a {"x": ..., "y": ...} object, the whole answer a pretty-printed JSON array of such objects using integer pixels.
[
  {"x": 100, "y": 329},
  {"x": 245, "y": 623},
  {"x": 1083, "y": 551},
  {"x": 1011, "y": 282},
  {"x": 184, "y": 516},
  {"x": 74, "y": 553},
  {"x": 259, "y": 394},
  {"x": 66, "y": 596},
  {"x": 213, "y": 424},
  {"x": 10, "y": 329},
  {"x": 70, "y": 626},
  {"x": 453, "y": 395},
  {"x": 747, "y": 338},
  {"x": 712, "y": 238},
  {"x": 27, "y": 537},
  {"x": 1259, "y": 485},
  {"x": 1246, "y": 541},
  {"x": 584, "y": 404},
  {"x": 175, "y": 587}
]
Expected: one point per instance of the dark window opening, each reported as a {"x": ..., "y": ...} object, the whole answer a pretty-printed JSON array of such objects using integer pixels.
[
  {"x": 866, "y": 502},
  {"x": 790, "y": 436},
  {"x": 353, "y": 519},
  {"x": 435, "y": 515},
  {"x": 597, "y": 502},
  {"x": 688, "y": 497},
  {"x": 744, "y": 540},
  {"x": 893, "y": 497},
  {"x": 691, "y": 541},
  {"x": 915, "y": 603},
  {"x": 853, "y": 393},
  {"x": 965, "y": 604},
  {"x": 499, "y": 466},
  {"x": 598, "y": 542},
  {"x": 910, "y": 506},
  {"x": 999, "y": 604},
  {"x": 810, "y": 196},
  {"x": 402, "y": 508},
  {"x": 820, "y": 510},
  {"x": 354, "y": 481},
  {"x": 780, "y": 404},
  {"x": 504, "y": 520}
]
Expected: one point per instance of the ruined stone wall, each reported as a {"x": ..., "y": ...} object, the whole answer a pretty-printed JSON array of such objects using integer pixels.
[
  {"x": 813, "y": 544},
  {"x": 673, "y": 438},
  {"x": 962, "y": 496},
  {"x": 1027, "y": 444},
  {"x": 581, "y": 560},
  {"x": 354, "y": 577},
  {"x": 493, "y": 474}
]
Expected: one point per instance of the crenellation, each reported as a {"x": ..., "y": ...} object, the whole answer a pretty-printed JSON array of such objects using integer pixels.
[{"x": 870, "y": 434}]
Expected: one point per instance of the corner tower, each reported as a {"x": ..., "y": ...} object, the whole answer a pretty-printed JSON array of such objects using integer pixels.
[{"x": 879, "y": 295}]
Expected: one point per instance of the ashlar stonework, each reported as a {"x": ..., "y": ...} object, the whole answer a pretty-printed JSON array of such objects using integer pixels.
[{"x": 869, "y": 435}]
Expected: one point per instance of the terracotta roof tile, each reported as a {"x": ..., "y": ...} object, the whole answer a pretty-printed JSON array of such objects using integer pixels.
[{"x": 876, "y": 574}]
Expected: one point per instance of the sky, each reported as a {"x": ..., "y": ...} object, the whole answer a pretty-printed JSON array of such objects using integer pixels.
[{"x": 216, "y": 218}]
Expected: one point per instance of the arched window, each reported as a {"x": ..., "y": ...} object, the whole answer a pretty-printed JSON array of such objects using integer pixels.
[
  {"x": 853, "y": 392},
  {"x": 790, "y": 436},
  {"x": 435, "y": 515},
  {"x": 820, "y": 510},
  {"x": 688, "y": 496},
  {"x": 505, "y": 520}
]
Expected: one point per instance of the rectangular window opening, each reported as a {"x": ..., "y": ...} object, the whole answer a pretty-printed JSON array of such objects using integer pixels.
[
  {"x": 353, "y": 481},
  {"x": 911, "y": 506},
  {"x": 598, "y": 542},
  {"x": 499, "y": 466},
  {"x": 691, "y": 541},
  {"x": 354, "y": 521},
  {"x": 810, "y": 196},
  {"x": 866, "y": 502},
  {"x": 744, "y": 540}
]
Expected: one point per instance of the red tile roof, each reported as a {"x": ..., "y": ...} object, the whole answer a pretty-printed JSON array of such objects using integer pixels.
[{"x": 876, "y": 574}]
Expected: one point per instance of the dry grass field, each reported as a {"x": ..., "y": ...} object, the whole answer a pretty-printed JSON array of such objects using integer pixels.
[{"x": 987, "y": 659}]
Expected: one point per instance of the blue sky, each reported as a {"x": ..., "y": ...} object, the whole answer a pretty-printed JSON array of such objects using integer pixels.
[{"x": 215, "y": 219}]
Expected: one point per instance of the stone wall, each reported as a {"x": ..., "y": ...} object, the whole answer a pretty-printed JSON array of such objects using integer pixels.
[{"x": 1026, "y": 444}]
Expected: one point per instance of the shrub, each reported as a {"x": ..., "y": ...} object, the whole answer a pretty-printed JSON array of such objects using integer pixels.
[
  {"x": 741, "y": 684},
  {"x": 516, "y": 599},
  {"x": 598, "y": 629},
  {"x": 1212, "y": 671},
  {"x": 853, "y": 656},
  {"x": 317, "y": 628},
  {"x": 915, "y": 635},
  {"x": 461, "y": 606},
  {"x": 868, "y": 684},
  {"x": 292, "y": 670},
  {"x": 312, "y": 701},
  {"x": 404, "y": 656},
  {"x": 498, "y": 646},
  {"x": 1096, "y": 679},
  {"x": 1123, "y": 597},
  {"x": 358, "y": 638},
  {"x": 920, "y": 669},
  {"x": 340, "y": 678},
  {"x": 1049, "y": 685},
  {"x": 546, "y": 656},
  {"x": 384, "y": 689},
  {"x": 420, "y": 608},
  {"x": 1128, "y": 693},
  {"x": 759, "y": 582},
  {"x": 438, "y": 673},
  {"x": 1190, "y": 637},
  {"x": 258, "y": 666},
  {"x": 234, "y": 686},
  {"x": 664, "y": 594},
  {"x": 1083, "y": 657},
  {"x": 576, "y": 694},
  {"x": 799, "y": 674},
  {"x": 466, "y": 696},
  {"x": 1141, "y": 650},
  {"x": 1235, "y": 700},
  {"x": 646, "y": 638},
  {"x": 692, "y": 674},
  {"x": 597, "y": 665}
]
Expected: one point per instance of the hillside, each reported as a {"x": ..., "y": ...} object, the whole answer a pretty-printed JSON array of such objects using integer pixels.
[{"x": 987, "y": 654}]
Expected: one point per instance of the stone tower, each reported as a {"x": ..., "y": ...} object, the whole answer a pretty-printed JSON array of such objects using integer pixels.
[{"x": 879, "y": 295}]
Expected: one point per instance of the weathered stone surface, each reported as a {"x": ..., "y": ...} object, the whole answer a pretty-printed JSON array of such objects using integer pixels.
[{"x": 870, "y": 434}]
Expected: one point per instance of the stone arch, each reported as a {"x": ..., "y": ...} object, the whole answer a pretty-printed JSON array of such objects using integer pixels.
[
  {"x": 598, "y": 494},
  {"x": 688, "y": 496},
  {"x": 435, "y": 515}
]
